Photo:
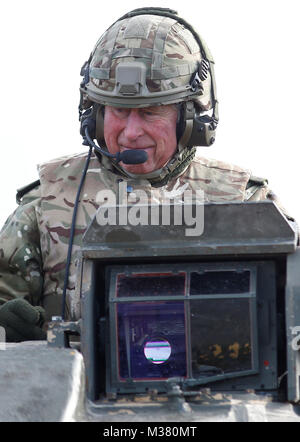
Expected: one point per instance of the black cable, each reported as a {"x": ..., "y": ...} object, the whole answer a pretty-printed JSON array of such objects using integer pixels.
[
  {"x": 94, "y": 145},
  {"x": 72, "y": 233}
]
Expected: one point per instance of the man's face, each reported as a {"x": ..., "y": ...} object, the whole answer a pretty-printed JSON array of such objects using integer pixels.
[{"x": 152, "y": 129}]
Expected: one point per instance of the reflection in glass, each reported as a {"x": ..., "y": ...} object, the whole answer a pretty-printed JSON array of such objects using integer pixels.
[
  {"x": 157, "y": 351},
  {"x": 221, "y": 335}
]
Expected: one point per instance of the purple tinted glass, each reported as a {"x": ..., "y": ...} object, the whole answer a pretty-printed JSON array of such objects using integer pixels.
[{"x": 141, "y": 323}]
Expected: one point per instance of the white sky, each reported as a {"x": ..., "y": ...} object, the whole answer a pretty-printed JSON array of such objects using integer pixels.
[{"x": 255, "y": 45}]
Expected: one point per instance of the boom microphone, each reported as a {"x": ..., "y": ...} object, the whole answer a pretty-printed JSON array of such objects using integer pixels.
[
  {"x": 130, "y": 156},
  {"x": 133, "y": 156}
]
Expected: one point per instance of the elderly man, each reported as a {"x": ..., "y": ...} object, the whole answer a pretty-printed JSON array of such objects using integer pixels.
[{"x": 148, "y": 87}]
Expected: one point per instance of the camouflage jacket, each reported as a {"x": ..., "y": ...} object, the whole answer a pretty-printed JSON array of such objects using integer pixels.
[{"x": 34, "y": 239}]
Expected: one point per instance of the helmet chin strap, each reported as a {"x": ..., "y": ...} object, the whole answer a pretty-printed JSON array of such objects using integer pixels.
[{"x": 178, "y": 163}]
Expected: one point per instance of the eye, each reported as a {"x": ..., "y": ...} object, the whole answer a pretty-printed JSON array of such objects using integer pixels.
[
  {"x": 121, "y": 112},
  {"x": 149, "y": 113}
]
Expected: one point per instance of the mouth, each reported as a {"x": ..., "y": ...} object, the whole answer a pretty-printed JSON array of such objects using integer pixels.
[{"x": 148, "y": 148}]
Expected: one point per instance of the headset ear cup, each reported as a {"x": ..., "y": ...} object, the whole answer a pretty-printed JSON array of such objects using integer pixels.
[
  {"x": 88, "y": 121},
  {"x": 180, "y": 125},
  {"x": 203, "y": 132},
  {"x": 100, "y": 126},
  {"x": 187, "y": 117}
]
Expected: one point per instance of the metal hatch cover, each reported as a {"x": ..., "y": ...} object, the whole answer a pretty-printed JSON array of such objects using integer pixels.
[{"x": 228, "y": 228}]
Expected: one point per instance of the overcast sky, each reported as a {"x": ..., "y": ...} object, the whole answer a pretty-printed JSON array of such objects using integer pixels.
[{"x": 255, "y": 45}]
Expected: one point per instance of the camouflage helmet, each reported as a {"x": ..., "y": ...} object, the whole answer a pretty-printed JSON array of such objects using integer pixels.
[
  {"x": 148, "y": 57},
  {"x": 151, "y": 56}
]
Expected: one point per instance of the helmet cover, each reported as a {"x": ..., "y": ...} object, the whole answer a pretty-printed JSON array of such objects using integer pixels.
[{"x": 148, "y": 60}]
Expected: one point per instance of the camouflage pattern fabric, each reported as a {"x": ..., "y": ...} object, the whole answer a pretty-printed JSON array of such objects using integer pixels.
[
  {"x": 34, "y": 240},
  {"x": 21, "y": 268},
  {"x": 168, "y": 50}
]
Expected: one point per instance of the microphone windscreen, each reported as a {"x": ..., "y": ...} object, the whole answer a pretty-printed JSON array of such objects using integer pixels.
[{"x": 133, "y": 156}]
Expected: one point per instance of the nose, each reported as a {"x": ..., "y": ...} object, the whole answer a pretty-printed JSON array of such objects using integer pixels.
[{"x": 133, "y": 126}]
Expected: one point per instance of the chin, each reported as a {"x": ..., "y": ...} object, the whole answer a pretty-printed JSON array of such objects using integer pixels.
[{"x": 137, "y": 168}]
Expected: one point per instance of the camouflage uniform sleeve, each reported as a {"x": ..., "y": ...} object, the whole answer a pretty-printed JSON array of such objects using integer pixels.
[{"x": 21, "y": 266}]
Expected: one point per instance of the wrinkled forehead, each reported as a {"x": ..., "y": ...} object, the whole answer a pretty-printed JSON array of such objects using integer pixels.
[
  {"x": 167, "y": 112},
  {"x": 156, "y": 108}
]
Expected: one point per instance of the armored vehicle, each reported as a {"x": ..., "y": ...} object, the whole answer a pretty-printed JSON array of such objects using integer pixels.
[{"x": 176, "y": 325}]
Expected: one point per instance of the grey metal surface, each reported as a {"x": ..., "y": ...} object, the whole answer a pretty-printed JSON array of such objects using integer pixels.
[
  {"x": 39, "y": 383},
  {"x": 229, "y": 228},
  {"x": 218, "y": 407},
  {"x": 293, "y": 325}
]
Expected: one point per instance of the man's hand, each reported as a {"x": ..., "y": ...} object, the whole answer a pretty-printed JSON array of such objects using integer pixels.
[{"x": 22, "y": 321}]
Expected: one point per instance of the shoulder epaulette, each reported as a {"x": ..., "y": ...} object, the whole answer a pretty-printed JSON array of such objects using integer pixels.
[
  {"x": 256, "y": 181},
  {"x": 23, "y": 190},
  {"x": 253, "y": 185}
]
